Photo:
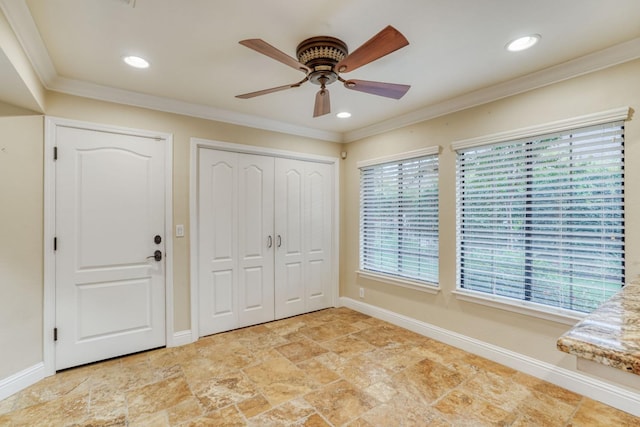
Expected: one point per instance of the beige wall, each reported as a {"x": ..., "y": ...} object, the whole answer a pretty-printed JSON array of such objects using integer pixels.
[
  {"x": 20, "y": 242},
  {"x": 615, "y": 87},
  {"x": 7, "y": 110}
]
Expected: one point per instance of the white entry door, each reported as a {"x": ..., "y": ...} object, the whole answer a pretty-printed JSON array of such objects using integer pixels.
[
  {"x": 235, "y": 240},
  {"x": 110, "y": 296},
  {"x": 304, "y": 233}
]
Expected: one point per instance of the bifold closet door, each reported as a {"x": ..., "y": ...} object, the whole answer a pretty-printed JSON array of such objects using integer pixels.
[
  {"x": 303, "y": 218},
  {"x": 236, "y": 242}
]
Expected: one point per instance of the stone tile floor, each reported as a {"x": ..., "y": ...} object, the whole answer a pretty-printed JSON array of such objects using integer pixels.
[{"x": 334, "y": 367}]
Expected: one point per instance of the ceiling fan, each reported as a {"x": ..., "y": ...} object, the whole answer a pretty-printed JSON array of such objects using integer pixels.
[{"x": 324, "y": 58}]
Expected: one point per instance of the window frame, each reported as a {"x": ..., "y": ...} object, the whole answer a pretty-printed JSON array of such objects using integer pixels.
[
  {"x": 530, "y": 308},
  {"x": 397, "y": 280}
]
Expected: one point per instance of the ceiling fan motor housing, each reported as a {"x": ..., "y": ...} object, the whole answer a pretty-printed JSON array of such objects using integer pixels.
[{"x": 321, "y": 54}]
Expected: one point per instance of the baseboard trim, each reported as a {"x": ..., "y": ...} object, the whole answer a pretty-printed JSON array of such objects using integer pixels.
[
  {"x": 29, "y": 376},
  {"x": 21, "y": 380},
  {"x": 181, "y": 338},
  {"x": 617, "y": 397}
]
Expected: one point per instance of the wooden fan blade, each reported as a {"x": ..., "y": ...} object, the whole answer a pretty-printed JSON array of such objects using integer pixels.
[
  {"x": 389, "y": 90},
  {"x": 265, "y": 48},
  {"x": 323, "y": 103},
  {"x": 386, "y": 41},
  {"x": 273, "y": 89}
]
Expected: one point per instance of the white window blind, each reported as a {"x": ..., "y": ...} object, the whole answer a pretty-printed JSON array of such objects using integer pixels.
[
  {"x": 542, "y": 219},
  {"x": 399, "y": 219}
]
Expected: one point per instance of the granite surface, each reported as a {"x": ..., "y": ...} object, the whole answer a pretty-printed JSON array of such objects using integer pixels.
[{"x": 611, "y": 334}]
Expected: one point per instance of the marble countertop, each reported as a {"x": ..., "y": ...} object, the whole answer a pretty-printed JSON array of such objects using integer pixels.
[{"x": 611, "y": 334}]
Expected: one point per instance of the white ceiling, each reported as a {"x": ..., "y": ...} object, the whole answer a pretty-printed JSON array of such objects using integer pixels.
[{"x": 456, "y": 57}]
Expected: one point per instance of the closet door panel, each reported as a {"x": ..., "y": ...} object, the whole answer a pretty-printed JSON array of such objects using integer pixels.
[
  {"x": 304, "y": 206},
  {"x": 217, "y": 224},
  {"x": 289, "y": 220},
  {"x": 318, "y": 210},
  {"x": 255, "y": 239}
]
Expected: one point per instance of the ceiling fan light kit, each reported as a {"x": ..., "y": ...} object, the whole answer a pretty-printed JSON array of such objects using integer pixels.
[{"x": 323, "y": 58}]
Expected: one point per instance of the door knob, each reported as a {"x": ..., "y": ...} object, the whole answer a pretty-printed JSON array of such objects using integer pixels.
[
  {"x": 157, "y": 239},
  {"x": 157, "y": 255}
]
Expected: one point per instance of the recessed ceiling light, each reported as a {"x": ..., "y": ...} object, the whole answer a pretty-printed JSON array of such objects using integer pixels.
[
  {"x": 136, "y": 61},
  {"x": 523, "y": 43},
  {"x": 343, "y": 115}
]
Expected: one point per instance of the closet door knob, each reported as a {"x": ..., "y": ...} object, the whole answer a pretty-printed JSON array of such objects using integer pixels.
[
  {"x": 279, "y": 240},
  {"x": 269, "y": 242}
]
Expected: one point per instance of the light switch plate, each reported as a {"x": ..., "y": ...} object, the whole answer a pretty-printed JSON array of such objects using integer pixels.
[{"x": 179, "y": 230}]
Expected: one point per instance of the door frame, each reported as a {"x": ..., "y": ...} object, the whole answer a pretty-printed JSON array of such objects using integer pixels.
[
  {"x": 198, "y": 143},
  {"x": 49, "y": 302}
]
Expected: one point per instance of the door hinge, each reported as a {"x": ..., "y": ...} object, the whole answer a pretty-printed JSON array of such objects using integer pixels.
[
  {"x": 55, "y": 153},
  {"x": 55, "y": 334},
  {"x": 55, "y": 243}
]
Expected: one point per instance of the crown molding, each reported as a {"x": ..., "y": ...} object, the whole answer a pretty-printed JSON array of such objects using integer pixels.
[
  {"x": 19, "y": 17},
  {"x": 21, "y": 21},
  {"x": 126, "y": 97},
  {"x": 615, "y": 55}
]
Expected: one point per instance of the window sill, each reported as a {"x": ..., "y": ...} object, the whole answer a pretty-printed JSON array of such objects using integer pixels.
[
  {"x": 522, "y": 307},
  {"x": 405, "y": 283}
]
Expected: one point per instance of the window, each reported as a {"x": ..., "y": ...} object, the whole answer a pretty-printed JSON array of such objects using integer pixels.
[
  {"x": 541, "y": 219},
  {"x": 399, "y": 218}
]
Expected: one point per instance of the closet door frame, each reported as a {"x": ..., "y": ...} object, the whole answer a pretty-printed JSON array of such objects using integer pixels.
[{"x": 197, "y": 144}]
